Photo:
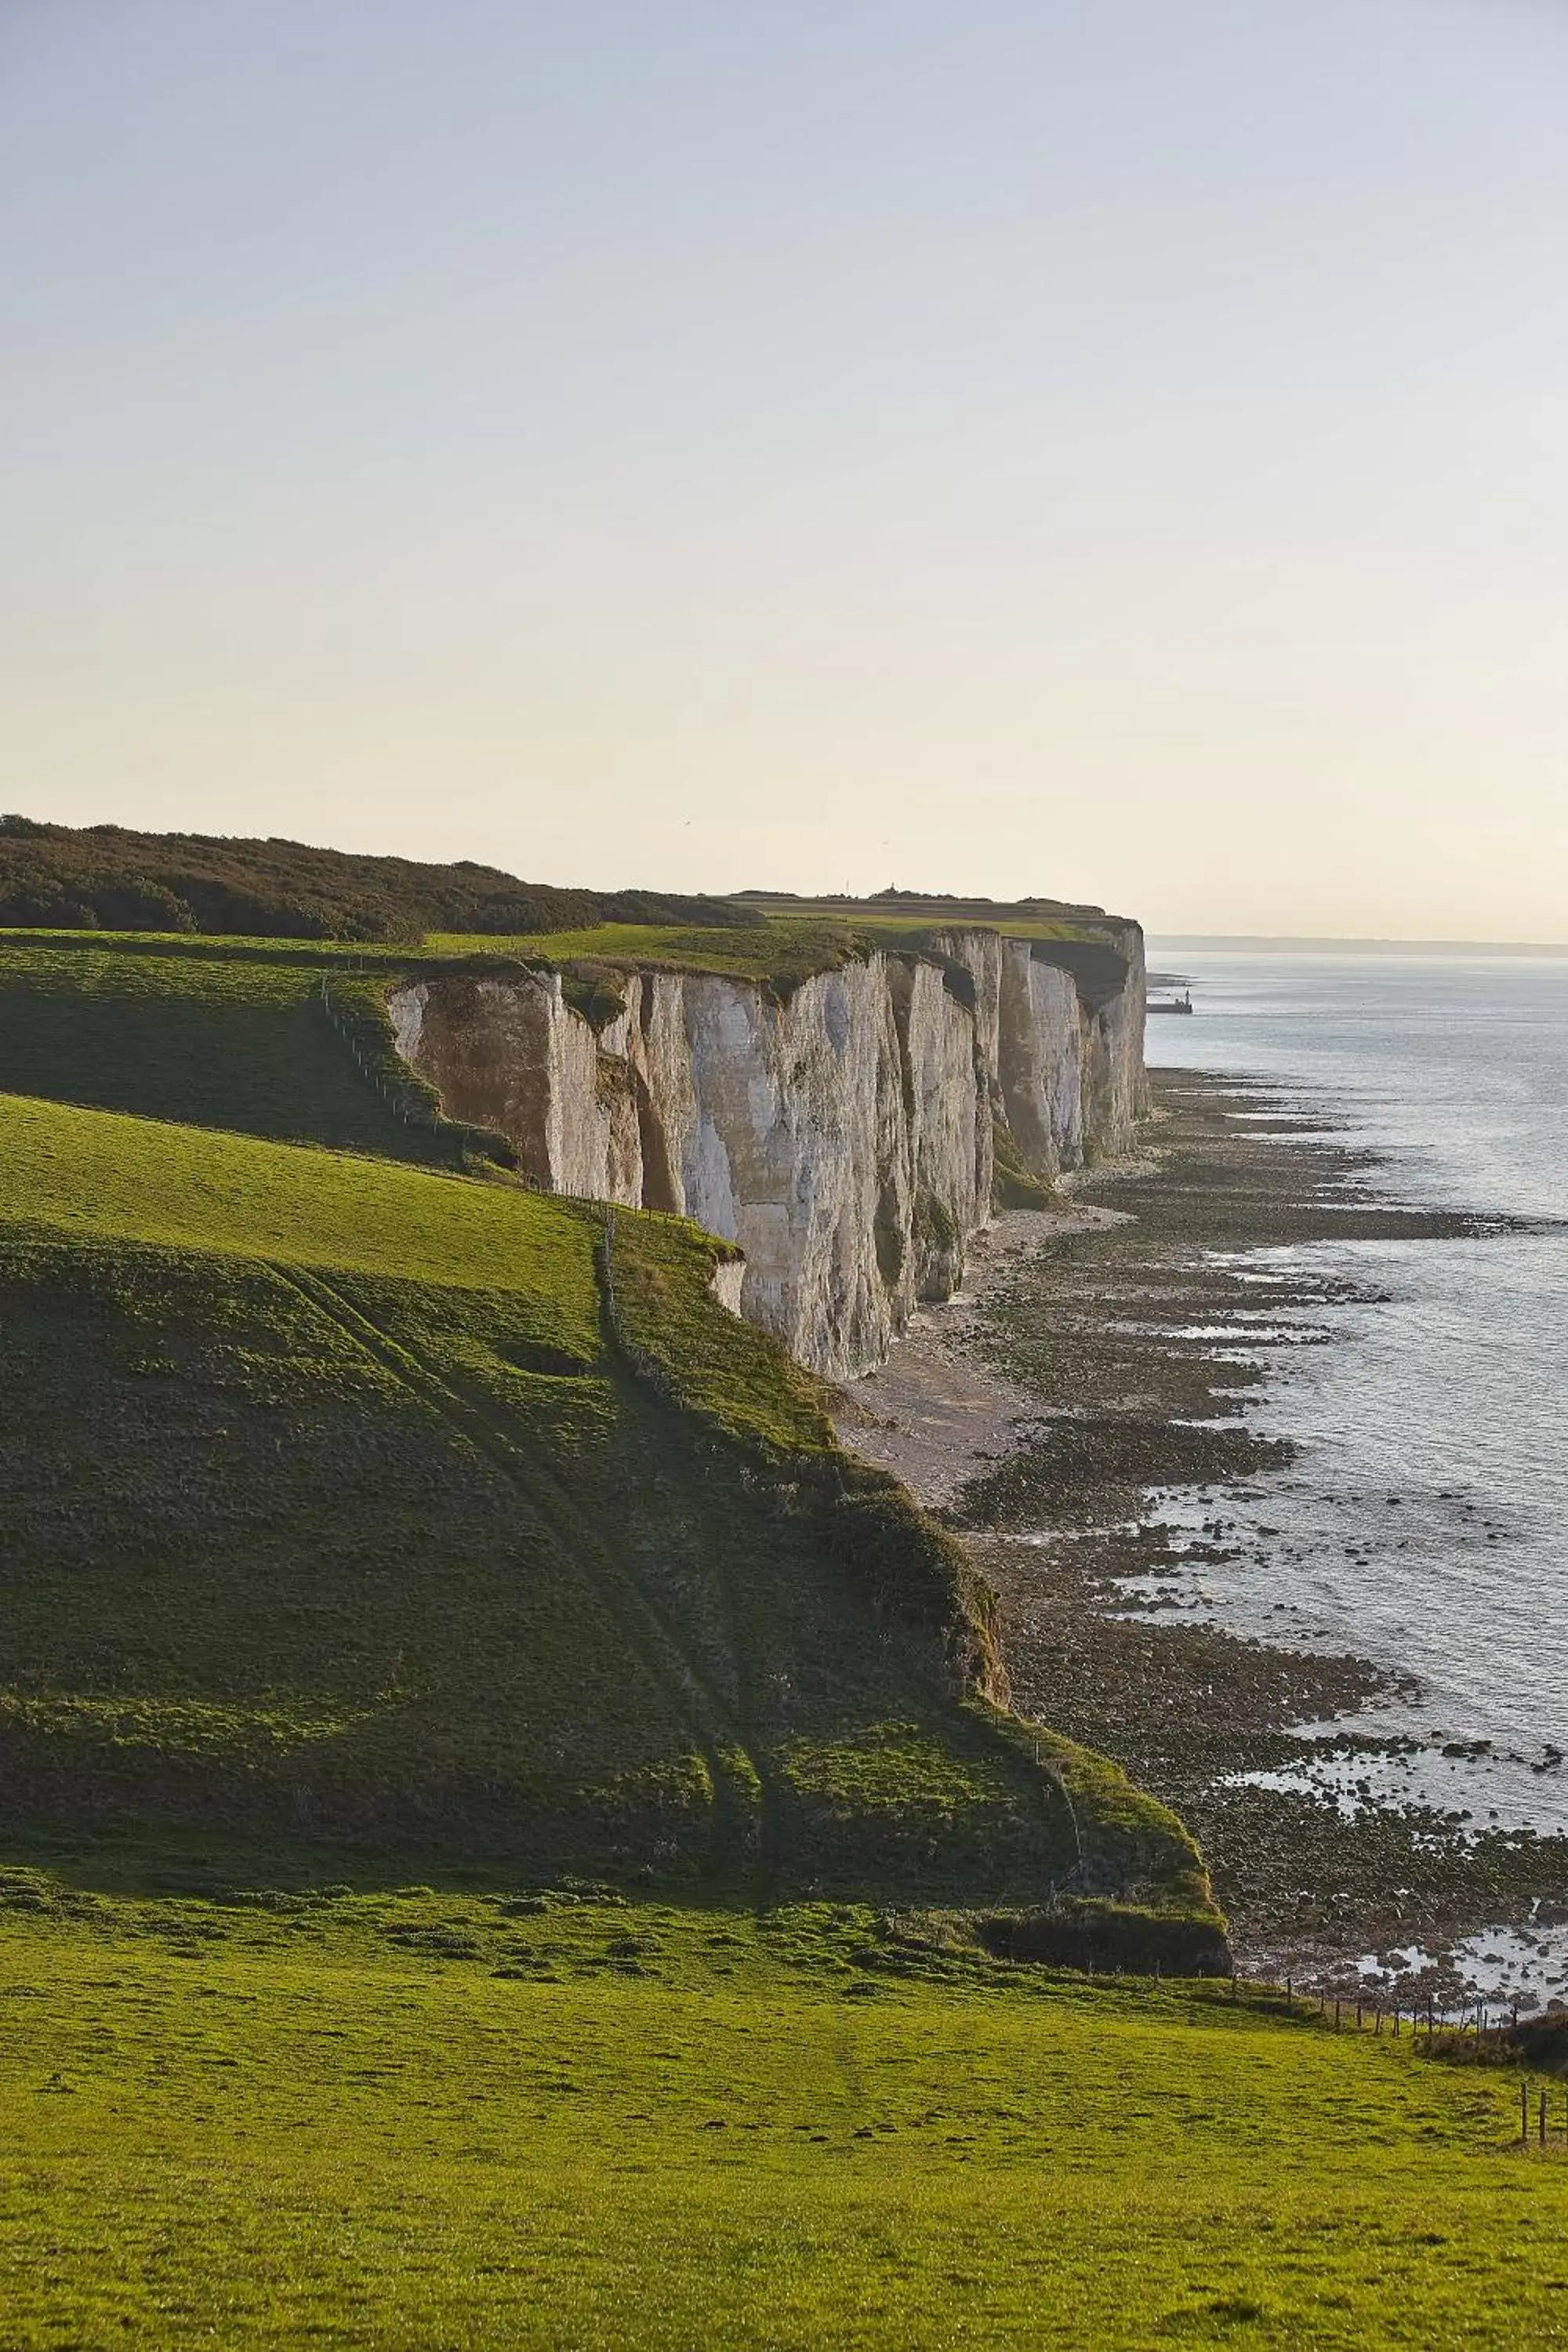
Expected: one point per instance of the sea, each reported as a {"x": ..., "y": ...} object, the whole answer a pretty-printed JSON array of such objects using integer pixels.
[{"x": 1425, "y": 1522}]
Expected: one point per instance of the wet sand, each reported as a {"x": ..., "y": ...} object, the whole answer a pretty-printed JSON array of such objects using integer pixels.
[{"x": 1066, "y": 1413}]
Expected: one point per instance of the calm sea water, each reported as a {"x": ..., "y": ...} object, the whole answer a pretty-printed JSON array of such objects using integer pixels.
[{"x": 1425, "y": 1524}]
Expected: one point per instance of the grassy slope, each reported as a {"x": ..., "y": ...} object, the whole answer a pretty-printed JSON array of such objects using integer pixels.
[
  {"x": 97, "y": 1175},
  {"x": 402, "y": 2120},
  {"x": 179, "y": 1030},
  {"x": 378, "y": 1537}
]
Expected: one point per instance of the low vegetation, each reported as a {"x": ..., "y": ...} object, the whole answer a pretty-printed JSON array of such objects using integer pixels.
[
  {"x": 512, "y": 1838},
  {"x": 789, "y": 944},
  {"x": 267, "y": 2112},
  {"x": 212, "y": 1038},
  {"x": 1012, "y": 1185},
  {"x": 776, "y": 954},
  {"x": 353, "y": 1496},
  {"x": 98, "y": 1175}
]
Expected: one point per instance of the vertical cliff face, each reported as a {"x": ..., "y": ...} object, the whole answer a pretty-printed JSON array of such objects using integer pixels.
[{"x": 842, "y": 1138}]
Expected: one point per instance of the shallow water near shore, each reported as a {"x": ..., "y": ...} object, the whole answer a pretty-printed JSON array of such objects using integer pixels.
[{"x": 1424, "y": 1523}]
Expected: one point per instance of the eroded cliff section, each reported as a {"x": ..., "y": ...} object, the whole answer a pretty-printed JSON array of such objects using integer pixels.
[{"x": 844, "y": 1137}]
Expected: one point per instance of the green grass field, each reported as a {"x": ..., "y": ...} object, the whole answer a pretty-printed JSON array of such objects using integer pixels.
[
  {"x": 95, "y": 1174},
  {"x": 779, "y": 954},
  {"x": 337, "y": 1504},
  {"x": 498, "y": 1820},
  {"x": 409, "y": 2119},
  {"x": 215, "y": 1039}
]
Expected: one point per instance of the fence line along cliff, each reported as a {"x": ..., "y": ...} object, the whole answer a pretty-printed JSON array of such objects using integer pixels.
[{"x": 846, "y": 1137}]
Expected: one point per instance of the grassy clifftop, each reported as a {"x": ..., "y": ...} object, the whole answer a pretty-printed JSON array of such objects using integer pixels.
[
  {"x": 249, "y": 1034},
  {"x": 187, "y": 901}
]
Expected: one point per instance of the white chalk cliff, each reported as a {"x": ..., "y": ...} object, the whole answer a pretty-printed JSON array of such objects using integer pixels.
[{"x": 844, "y": 1137}]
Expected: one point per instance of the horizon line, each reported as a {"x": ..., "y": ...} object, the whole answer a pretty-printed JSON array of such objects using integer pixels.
[{"x": 1286, "y": 942}]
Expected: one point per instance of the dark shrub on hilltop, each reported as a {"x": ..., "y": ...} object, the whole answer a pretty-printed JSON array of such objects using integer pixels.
[{"x": 104, "y": 878}]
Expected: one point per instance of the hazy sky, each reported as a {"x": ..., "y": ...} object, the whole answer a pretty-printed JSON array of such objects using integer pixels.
[{"x": 1109, "y": 448}]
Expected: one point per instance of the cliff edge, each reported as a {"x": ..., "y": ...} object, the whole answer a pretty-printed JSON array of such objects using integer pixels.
[{"x": 843, "y": 1130}]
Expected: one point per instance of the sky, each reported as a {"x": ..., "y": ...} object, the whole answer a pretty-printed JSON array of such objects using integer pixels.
[{"x": 1115, "y": 449}]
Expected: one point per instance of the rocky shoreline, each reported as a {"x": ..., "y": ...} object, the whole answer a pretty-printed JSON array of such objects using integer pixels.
[{"x": 1079, "y": 1415}]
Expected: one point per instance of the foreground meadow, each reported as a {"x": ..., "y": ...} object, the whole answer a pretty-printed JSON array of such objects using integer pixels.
[{"x": 415, "y": 2118}]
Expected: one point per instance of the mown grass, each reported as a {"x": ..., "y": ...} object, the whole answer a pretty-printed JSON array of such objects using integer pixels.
[
  {"x": 778, "y": 952},
  {"x": 534, "y": 2118}
]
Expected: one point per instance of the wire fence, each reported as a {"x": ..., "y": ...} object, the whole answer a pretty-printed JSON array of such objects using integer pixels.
[
  {"x": 412, "y": 1105},
  {"x": 1427, "y": 2023}
]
